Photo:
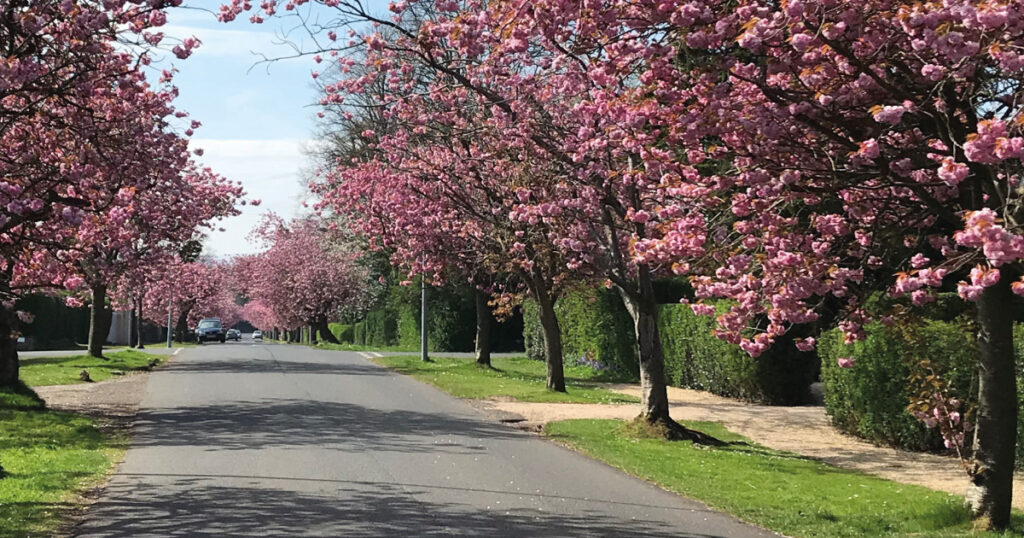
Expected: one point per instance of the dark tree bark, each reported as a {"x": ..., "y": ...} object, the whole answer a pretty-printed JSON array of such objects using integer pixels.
[
  {"x": 991, "y": 490},
  {"x": 643, "y": 308},
  {"x": 552, "y": 337},
  {"x": 138, "y": 324},
  {"x": 133, "y": 323},
  {"x": 181, "y": 326},
  {"x": 9, "y": 364},
  {"x": 483, "y": 329},
  {"x": 325, "y": 331},
  {"x": 99, "y": 321}
]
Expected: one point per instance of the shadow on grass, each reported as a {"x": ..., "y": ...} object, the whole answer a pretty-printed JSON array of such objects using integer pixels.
[{"x": 20, "y": 397}]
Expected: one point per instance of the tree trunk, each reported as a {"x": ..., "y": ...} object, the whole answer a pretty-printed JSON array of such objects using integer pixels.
[
  {"x": 325, "y": 332},
  {"x": 181, "y": 327},
  {"x": 9, "y": 365},
  {"x": 99, "y": 321},
  {"x": 552, "y": 339},
  {"x": 133, "y": 324},
  {"x": 483, "y": 329},
  {"x": 995, "y": 434},
  {"x": 643, "y": 308},
  {"x": 138, "y": 325}
]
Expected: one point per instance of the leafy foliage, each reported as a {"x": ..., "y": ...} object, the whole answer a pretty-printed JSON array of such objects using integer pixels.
[
  {"x": 870, "y": 400},
  {"x": 695, "y": 358},
  {"x": 596, "y": 329}
]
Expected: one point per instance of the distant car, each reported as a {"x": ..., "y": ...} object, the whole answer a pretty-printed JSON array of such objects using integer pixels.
[
  {"x": 257, "y": 335},
  {"x": 210, "y": 329},
  {"x": 234, "y": 334}
]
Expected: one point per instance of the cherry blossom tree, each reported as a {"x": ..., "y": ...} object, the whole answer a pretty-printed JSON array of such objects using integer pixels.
[
  {"x": 790, "y": 157},
  {"x": 810, "y": 153},
  {"x": 260, "y": 315},
  {"x": 191, "y": 291},
  {"x": 303, "y": 277},
  {"x": 68, "y": 99}
]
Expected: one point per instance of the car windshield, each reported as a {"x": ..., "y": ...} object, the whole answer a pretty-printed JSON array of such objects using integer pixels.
[{"x": 209, "y": 324}]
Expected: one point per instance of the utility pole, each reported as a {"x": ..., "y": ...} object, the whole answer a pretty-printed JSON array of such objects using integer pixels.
[{"x": 423, "y": 319}]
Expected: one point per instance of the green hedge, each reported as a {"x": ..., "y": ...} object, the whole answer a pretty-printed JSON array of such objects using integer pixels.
[
  {"x": 452, "y": 321},
  {"x": 344, "y": 332},
  {"x": 381, "y": 328},
  {"x": 595, "y": 327},
  {"x": 359, "y": 333},
  {"x": 56, "y": 326},
  {"x": 595, "y": 324},
  {"x": 870, "y": 399},
  {"x": 695, "y": 358}
]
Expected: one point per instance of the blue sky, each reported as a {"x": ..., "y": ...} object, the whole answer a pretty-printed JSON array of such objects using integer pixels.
[{"x": 257, "y": 118}]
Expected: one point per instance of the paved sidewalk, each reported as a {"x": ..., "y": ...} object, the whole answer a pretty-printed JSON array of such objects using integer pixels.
[{"x": 803, "y": 430}]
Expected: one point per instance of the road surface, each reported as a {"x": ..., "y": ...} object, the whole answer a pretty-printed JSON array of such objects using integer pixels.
[{"x": 245, "y": 439}]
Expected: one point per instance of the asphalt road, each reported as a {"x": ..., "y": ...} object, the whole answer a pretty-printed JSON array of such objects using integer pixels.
[{"x": 244, "y": 439}]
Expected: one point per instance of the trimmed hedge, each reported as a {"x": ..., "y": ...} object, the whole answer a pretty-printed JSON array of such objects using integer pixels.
[
  {"x": 344, "y": 332},
  {"x": 695, "y": 358},
  {"x": 595, "y": 326},
  {"x": 56, "y": 326},
  {"x": 452, "y": 321},
  {"x": 870, "y": 399}
]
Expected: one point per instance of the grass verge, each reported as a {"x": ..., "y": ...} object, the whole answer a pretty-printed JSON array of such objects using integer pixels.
[
  {"x": 48, "y": 457},
  {"x": 42, "y": 371},
  {"x": 353, "y": 347},
  {"x": 784, "y": 492},
  {"x": 510, "y": 377}
]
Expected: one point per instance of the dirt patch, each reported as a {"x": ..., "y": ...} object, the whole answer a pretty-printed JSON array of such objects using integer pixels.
[
  {"x": 115, "y": 399},
  {"x": 803, "y": 430}
]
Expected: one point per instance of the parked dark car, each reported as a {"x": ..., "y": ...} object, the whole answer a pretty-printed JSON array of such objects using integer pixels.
[
  {"x": 210, "y": 329},
  {"x": 234, "y": 334}
]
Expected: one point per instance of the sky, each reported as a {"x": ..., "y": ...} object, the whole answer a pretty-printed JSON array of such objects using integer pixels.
[{"x": 258, "y": 118}]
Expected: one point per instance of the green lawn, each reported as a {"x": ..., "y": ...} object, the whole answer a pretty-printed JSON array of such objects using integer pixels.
[
  {"x": 354, "y": 347},
  {"x": 517, "y": 377},
  {"x": 780, "y": 491},
  {"x": 48, "y": 456},
  {"x": 43, "y": 371}
]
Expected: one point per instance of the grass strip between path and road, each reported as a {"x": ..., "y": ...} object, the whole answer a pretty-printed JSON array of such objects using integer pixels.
[
  {"x": 781, "y": 491},
  {"x": 48, "y": 458},
  {"x": 42, "y": 371},
  {"x": 519, "y": 378},
  {"x": 355, "y": 347}
]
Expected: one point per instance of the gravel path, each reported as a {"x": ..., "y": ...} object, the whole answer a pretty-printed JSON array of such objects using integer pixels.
[{"x": 803, "y": 430}]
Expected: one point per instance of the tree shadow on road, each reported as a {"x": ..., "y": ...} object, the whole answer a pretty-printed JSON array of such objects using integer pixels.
[
  {"x": 190, "y": 506},
  {"x": 272, "y": 423},
  {"x": 270, "y": 366}
]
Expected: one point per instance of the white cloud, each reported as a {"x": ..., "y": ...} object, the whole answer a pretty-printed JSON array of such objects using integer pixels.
[
  {"x": 221, "y": 42},
  {"x": 270, "y": 170}
]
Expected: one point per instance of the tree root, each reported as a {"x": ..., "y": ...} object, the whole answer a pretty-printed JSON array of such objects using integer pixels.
[{"x": 670, "y": 430}]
